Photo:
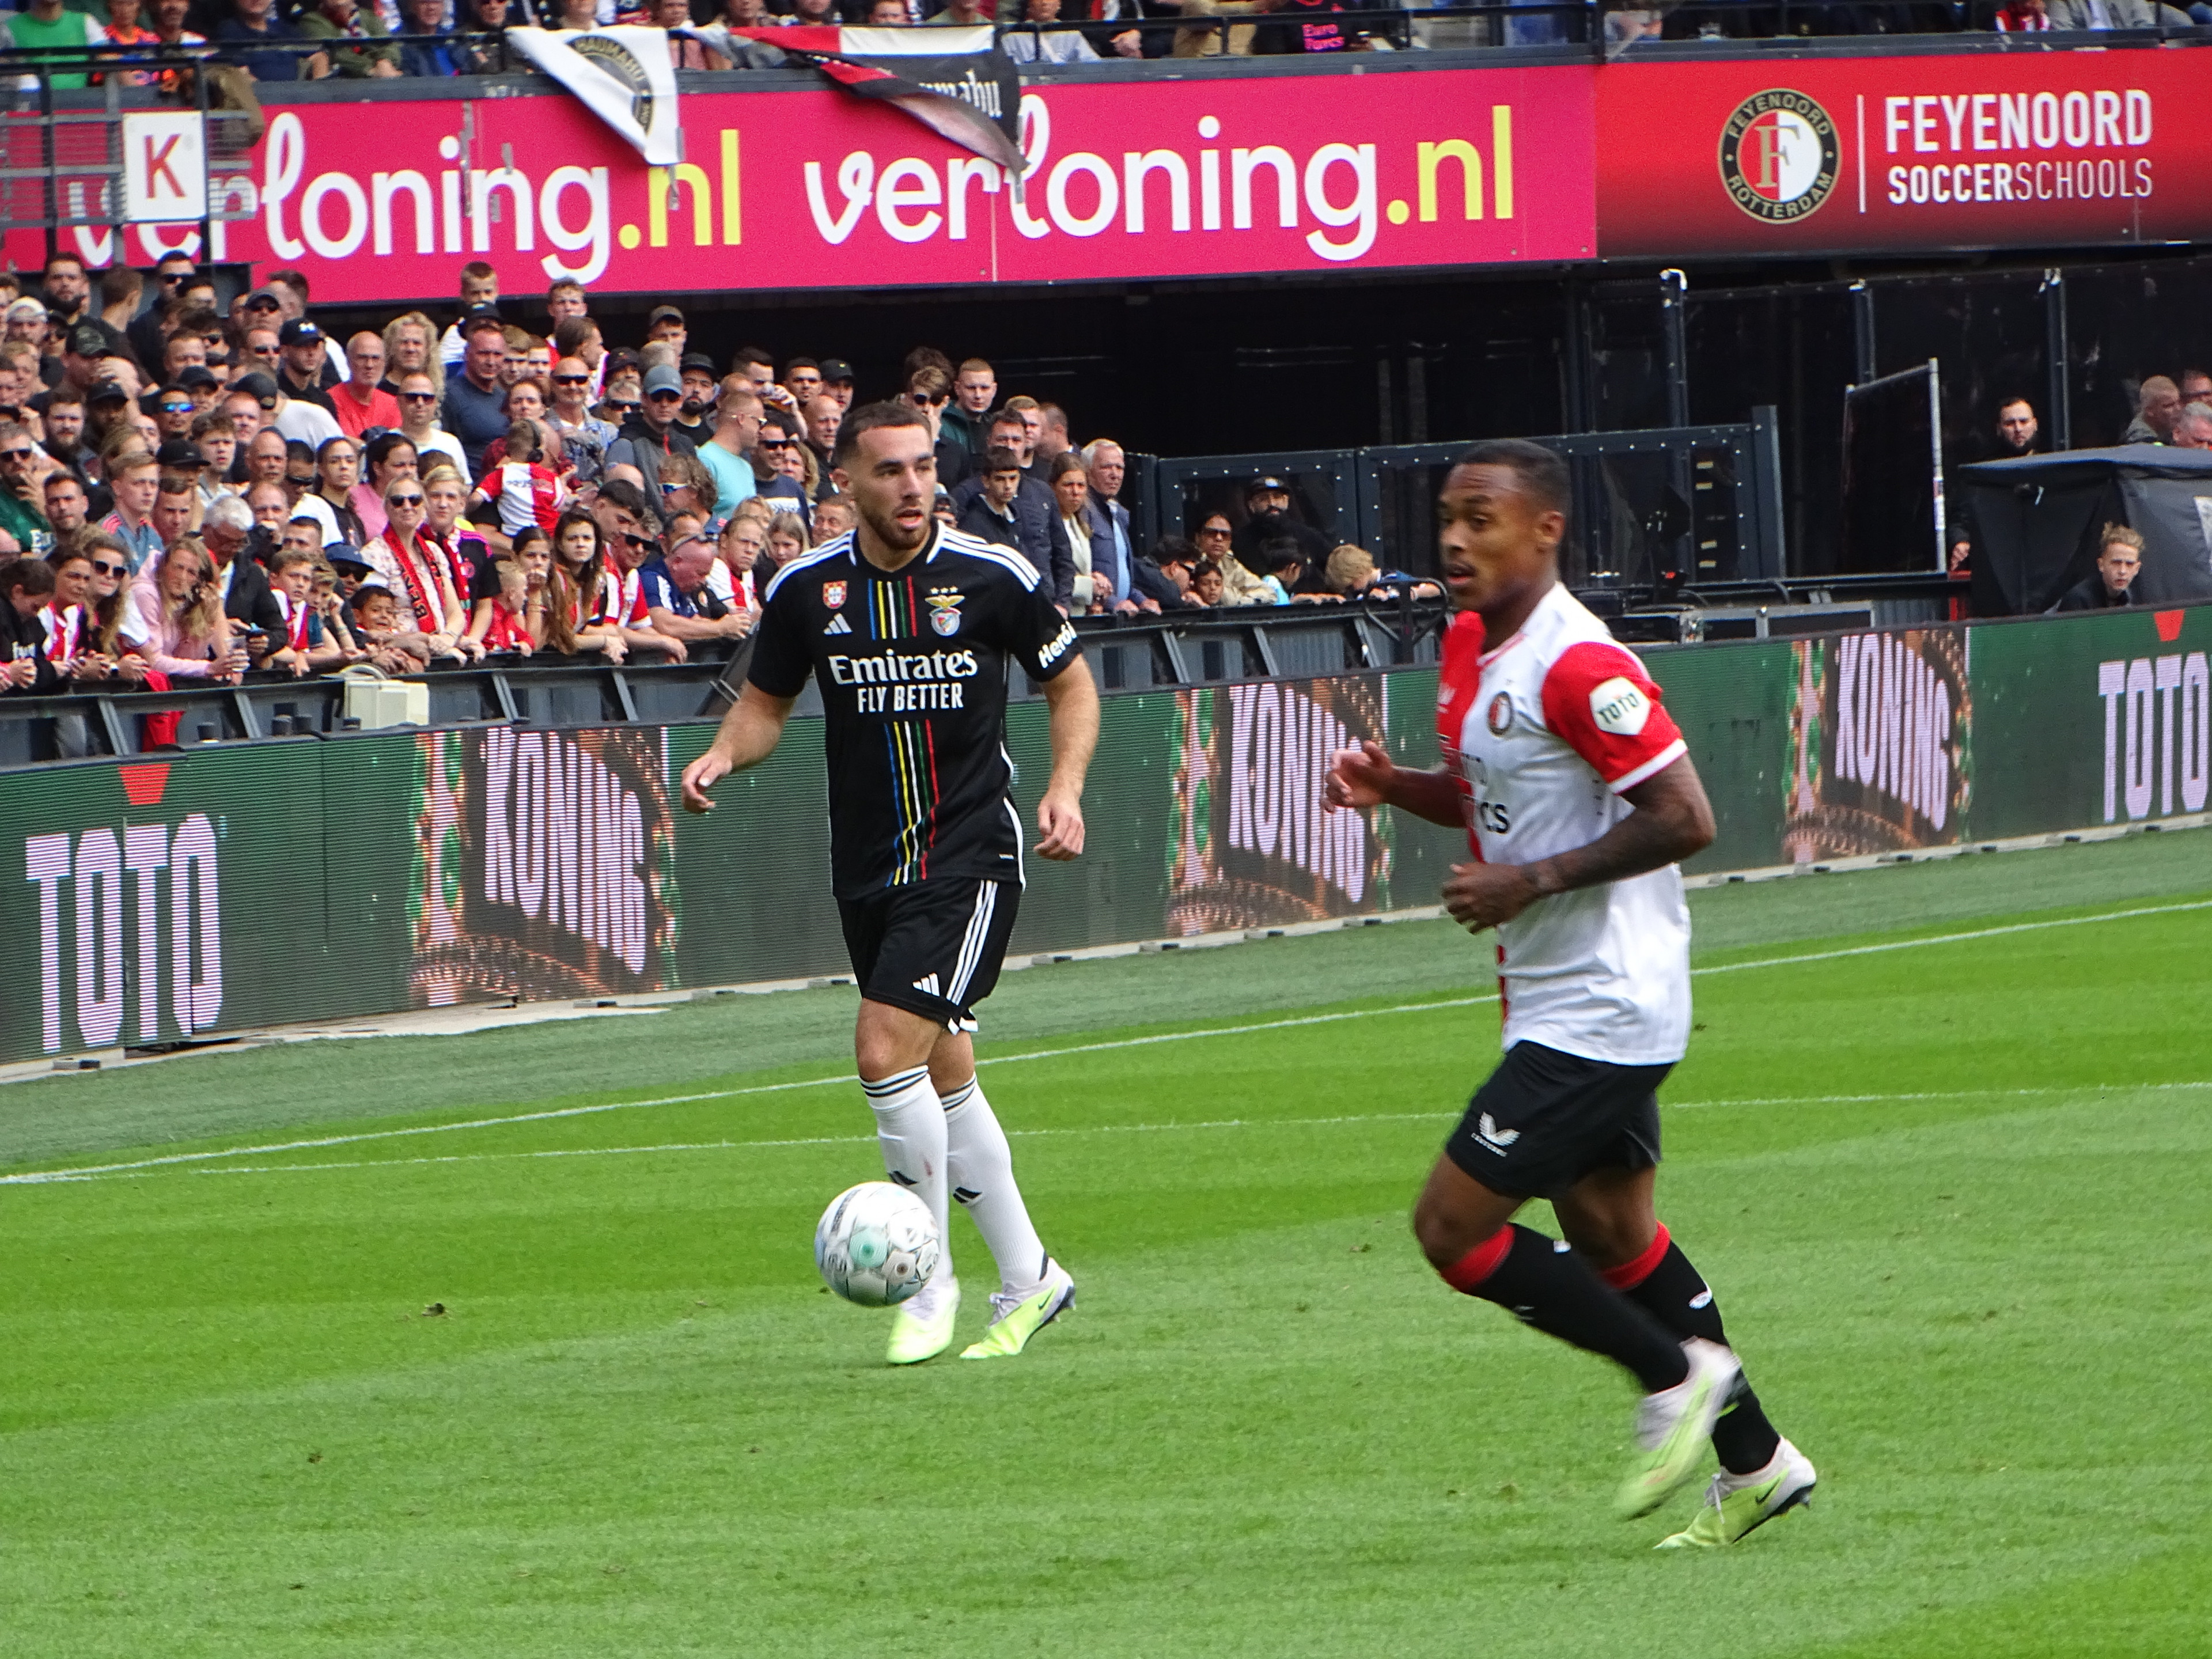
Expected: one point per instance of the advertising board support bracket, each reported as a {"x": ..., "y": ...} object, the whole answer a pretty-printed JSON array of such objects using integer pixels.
[
  {"x": 1679, "y": 534},
  {"x": 2060, "y": 423},
  {"x": 1862, "y": 342}
]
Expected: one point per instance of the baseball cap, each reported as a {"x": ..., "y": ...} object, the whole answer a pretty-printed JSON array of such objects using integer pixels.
[
  {"x": 86, "y": 341},
  {"x": 22, "y": 311},
  {"x": 1266, "y": 480},
  {"x": 180, "y": 453},
  {"x": 664, "y": 314},
  {"x": 300, "y": 331},
  {"x": 258, "y": 386},
  {"x": 110, "y": 390},
  {"x": 265, "y": 296},
  {"x": 835, "y": 369},
  {"x": 340, "y": 555},
  {"x": 663, "y": 379},
  {"x": 698, "y": 360},
  {"x": 197, "y": 376}
]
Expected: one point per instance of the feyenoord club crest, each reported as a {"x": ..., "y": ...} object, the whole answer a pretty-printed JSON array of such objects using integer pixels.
[
  {"x": 833, "y": 594},
  {"x": 1778, "y": 156},
  {"x": 944, "y": 613},
  {"x": 1501, "y": 714}
]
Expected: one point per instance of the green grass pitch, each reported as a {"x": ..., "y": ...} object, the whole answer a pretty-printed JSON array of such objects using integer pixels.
[{"x": 1952, "y": 1196}]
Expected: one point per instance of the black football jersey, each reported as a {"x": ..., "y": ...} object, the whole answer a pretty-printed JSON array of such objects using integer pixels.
[{"x": 913, "y": 671}]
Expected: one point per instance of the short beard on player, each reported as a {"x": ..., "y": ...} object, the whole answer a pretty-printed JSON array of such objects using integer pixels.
[{"x": 887, "y": 530}]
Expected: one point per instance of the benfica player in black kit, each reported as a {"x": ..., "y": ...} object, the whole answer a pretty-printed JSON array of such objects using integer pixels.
[{"x": 908, "y": 628}]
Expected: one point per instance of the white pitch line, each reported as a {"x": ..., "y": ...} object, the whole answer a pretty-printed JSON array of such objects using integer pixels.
[
  {"x": 1438, "y": 1117},
  {"x": 41, "y": 1177}
]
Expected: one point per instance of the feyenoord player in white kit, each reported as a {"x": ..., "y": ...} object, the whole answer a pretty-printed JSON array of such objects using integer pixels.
[
  {"x": 1579, "y": 797},
  {"x": 909, "y": 629}
]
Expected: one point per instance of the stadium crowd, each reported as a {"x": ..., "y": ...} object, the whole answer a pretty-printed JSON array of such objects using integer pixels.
[
  {"x": 282, "y": 40},
  {"x": 190, "y": 491}
]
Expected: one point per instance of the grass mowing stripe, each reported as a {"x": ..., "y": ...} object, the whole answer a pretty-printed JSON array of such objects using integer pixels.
[
  {"x": 1438, "y": 1116},
  {"x": 40, "y": 1176}
]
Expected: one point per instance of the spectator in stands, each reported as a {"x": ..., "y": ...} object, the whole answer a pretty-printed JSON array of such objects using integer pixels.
[
  {"x": 418, "y": 420},
  {"x": 427, "y": 46},
  {"x": 837, "y": 382},
  {"x": 474, "y": 411},
  {"x": 578, "y": 618},
  {"x": 653, "y": 432},
  {"x": 187, "y": 635},
  {"x": 44, "y": 26},
  {"x": 302, "y": 644},
  {"x": 1040, "y": 539},
  {"x": 226, "y": 530},
  {"x": 2157, "y": 407},
  {"x": 1268, "y": 518},
  {"x": 337, "y": 472},
  {"x": 823, "y": 416},
  {"x": 738, "y": 577},
  {"x": 2119, "y": 561},
  {"x": 414, "y": 567},
  {"x": 2193, "y": 428},
  {"x": 135, "y": 480},
  {"x": 64, "y": 440},
  {"x": 67, "y": 619},
  {"x": 695, "y": 419},
  {"x": 787, "y": 537},
  {"x": 360, "y": 403},
  {"x": 303, "y": 368},
  {"x": 2115, "y": 15},
  {"x": 360, "y": 49},
  {"x": 1042, "y": 39},
  {"x": 1241, "y": 584},
  {"x": 1207, "y": 586},
  {"x": 680, "y": 601},
  {"x": 584, "y": 436},
  {"x": 65, "y": 502},
  {"x": 1163, "y": 577},
  {"x": 2021, "y": 17},
  {"x": 410, "y": 348},
  {"x": 1052, "y": 439},
  {"x": 521, "y": 486},
  {"x": 485, "y": 17},
  {"x": 990, "y": 515},
  {"x": 1093, "y": 587},
  {"x": 1352, "y": 573},
  {"x": 479, "y": 299},
  {"x": 684, "y": 51},
  {"x": 1285, "y": 559},
  {"x": 802, "y": 379},
  {"x": 172, "y": 411},
  {"x": 217, "y": 440},
  {"x": 2017, "y": 429},
  {"x": 1113, "y": 548},
  {"x": 782, "y": 463},
  {"x": 176, "y": 503},
  {"x": 27, "y": 587},
  {"x": 257, "y": 36},
  {"x": 22, "y": 488},
  {"x": 727, "y": 454},
  {"x": 384, "y": 457}
]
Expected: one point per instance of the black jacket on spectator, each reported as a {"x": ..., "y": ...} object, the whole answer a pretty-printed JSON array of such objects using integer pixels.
[
  {"x": 972, "y": 431},
  {"x": 31, "y": 634},
  {"x": 1038, "y": 537},
  {"x": 251, "y": 600},
  {"x": 1148, "y": 582},
  {"x": 1262, "y": 528},
  {"x": 2091, "y": 594},
  {"x": 639, "y": 445},
  {"x": 955, "y": 461}
]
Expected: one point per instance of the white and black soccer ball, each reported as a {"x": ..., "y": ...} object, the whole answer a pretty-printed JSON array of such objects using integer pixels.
[{"x": 876, "y": 1244}]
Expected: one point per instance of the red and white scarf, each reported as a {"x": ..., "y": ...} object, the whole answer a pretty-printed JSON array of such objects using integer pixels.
[
  {"x": 65, "y": 632},
  {"x": 419, "y": 569}
]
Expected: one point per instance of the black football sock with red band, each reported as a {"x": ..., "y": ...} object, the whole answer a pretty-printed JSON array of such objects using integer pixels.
[
  {"x": 1547, "y": 1285},
  {"x": 1662, "y": 1281}
]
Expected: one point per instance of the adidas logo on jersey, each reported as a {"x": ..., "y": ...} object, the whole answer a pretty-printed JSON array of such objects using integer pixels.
[
  {"x": 838, "y": 625},
  {"x": 927, "y": 986},
  {"x": 1497, "y": 1139}
]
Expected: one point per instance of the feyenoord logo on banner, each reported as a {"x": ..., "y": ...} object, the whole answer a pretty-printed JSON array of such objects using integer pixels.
[{"x": 1778, "y": 156}]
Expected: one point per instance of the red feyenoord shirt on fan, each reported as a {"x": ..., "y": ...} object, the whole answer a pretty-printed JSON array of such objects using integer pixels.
[{"x": 1545, "y": 732}]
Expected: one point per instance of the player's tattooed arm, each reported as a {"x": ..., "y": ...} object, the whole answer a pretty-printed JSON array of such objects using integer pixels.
[
  {"x": 1366, "y": 776},
  {"x": 747, "y": 737},
  {"x": 1672, "y": 820}
]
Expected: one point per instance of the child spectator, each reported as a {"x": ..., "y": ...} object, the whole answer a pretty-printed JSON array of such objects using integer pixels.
[
  {"x": 525, "y": 490},
  {"x": 578, "y": 616},
  {"x": 501, "y": 624},
  {"x": 1205, "y": 583},
  {"x": 308, "y": 648}
]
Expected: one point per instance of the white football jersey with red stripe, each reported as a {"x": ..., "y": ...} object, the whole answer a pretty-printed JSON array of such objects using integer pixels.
[{"x": 1545, "y": 734}]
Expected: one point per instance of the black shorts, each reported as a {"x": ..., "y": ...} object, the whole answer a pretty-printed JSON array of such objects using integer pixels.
[
  {"x": 1545, "y": 1119},
  {"x": 932, "y": 948}
]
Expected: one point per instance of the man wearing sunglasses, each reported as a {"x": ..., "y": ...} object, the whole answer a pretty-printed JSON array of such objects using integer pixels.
[
  {"x": 728, "y": 453},
  {"x": 21, "y": 497},
  {"x": 653, "y": 432},
  {"x": 418, "y": 421},
  {"x": 584, "y": 435}
]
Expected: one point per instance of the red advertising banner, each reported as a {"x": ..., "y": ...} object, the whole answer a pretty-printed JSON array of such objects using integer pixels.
[
  {"x": 1893, "y": 154},
  {"x": 384, "y": 201}
]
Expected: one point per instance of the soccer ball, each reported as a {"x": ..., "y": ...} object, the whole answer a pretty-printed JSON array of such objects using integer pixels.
[{"x": 876, "y": 1244}]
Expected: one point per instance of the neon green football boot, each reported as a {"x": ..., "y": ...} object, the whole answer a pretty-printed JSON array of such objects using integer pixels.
[
  {"x": 1737, "y": 1505},
  {"x": 921, "y": 1326},
  {"x": 1018, "y": 1318},
  {"x": 1672, "y": 1425}
]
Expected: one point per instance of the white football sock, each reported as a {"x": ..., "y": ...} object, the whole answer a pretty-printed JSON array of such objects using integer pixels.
[
  {"x": 910, "y": 1128},
  {"x": 981, "y": 1166}
]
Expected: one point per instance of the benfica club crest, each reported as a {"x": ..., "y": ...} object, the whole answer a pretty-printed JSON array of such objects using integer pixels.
[
  {"x": 944, "y": 613},
  {"x": 1778, "y": 156},
  {"x": 833, "y": 595}
]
